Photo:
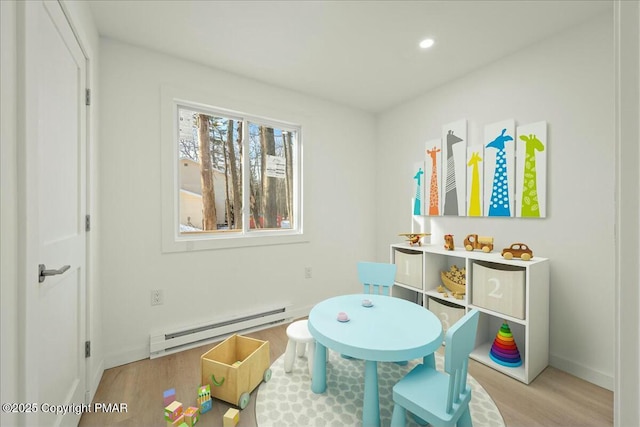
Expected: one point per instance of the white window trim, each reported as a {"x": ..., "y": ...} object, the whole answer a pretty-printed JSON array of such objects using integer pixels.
[{"x": 172, "y": 239}]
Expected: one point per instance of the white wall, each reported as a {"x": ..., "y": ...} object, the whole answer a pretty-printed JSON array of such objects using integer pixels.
[
  {"x": 567, "y": 80},
  {"x": 207, "y": 284}
]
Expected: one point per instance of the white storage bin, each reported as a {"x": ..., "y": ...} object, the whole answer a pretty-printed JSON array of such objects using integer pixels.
[
  {"x": 409, "y": 268},
  {"x": 448, "y": 313},
  {"x": 499, "y": 288}
]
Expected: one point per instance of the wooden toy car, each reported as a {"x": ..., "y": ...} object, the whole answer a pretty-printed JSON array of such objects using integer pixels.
[
  {"x": 472, "y": 241},
  {"x": 235, "y": 367},
  {"x": 518, "y": 250},
  {"x": 414, "y": 238}
]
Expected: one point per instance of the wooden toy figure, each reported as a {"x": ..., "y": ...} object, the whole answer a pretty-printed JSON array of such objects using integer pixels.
[
  {"x": 204, "y": 399},
  {"x": 448, "y": 242}
]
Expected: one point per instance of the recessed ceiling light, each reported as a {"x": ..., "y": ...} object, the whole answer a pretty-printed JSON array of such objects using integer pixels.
[{"x": 426, "y": 43}]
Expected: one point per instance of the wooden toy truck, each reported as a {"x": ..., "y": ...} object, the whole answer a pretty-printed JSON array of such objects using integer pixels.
[
  {"x": 235, "y": 367},
  {"x": 472, "y": 241}
]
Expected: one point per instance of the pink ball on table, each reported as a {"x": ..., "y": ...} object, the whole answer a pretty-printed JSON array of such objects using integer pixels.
[{"x": 342, "y": 316}]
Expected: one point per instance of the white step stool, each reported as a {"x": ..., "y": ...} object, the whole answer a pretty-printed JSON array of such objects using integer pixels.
[{"x": 300, "y": 342}]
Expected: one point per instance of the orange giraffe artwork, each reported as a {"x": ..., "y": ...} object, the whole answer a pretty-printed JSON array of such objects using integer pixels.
[{"x": 434, "y": 200}]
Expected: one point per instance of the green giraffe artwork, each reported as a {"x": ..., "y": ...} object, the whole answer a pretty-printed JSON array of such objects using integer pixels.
[{"x": 530, "y": 204}]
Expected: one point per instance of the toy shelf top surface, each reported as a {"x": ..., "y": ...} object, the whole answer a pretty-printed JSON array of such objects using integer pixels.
[{"x": 461, "y": 252}]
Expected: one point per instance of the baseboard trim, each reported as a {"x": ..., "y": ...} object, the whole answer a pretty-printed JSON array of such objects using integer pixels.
[
  {"x": 95, "y": 382},
  {"x": 584, "y": 372}
]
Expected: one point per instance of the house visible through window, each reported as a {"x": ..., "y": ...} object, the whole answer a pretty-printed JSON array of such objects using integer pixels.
[{"x": 236, "y": 175}]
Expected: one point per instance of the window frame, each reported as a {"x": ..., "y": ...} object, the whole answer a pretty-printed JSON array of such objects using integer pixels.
[{"x": 172, "y": 239}]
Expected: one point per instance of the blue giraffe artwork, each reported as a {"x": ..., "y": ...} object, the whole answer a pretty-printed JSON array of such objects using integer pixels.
[
  {"x": 499, "y": 204},
  {"x": 417, "y": 203}
]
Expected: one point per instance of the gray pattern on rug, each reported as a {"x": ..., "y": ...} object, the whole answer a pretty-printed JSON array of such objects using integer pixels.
[{"x": 287, "y": 399}]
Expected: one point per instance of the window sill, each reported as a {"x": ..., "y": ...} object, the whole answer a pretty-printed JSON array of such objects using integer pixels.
[{"x": 253, "y": 239}]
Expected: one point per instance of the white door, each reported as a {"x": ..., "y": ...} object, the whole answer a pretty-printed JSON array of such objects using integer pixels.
[{"x": 54, "y": 182}]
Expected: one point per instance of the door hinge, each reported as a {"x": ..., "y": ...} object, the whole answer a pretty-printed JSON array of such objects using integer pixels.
[
  {"x": 87, "y": 349},
  {"x": 87, "y": 223},
  {"x": 87, "y": 97}
]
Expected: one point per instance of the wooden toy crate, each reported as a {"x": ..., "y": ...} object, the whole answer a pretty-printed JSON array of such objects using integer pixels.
[{"x": 235, "y": 367}]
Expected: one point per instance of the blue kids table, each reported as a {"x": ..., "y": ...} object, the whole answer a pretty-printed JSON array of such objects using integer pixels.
[{"x": 391, "y": 330}]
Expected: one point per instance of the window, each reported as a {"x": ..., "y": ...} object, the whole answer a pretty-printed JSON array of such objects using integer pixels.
[{"x": 236, "y": 177}]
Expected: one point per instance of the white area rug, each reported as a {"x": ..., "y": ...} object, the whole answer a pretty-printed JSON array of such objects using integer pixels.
[{"x": 287, "y": 399}]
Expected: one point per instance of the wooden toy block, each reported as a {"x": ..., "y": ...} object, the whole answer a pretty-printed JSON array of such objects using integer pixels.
[
  {"x": 191, "y": 416},
  {"x": 204, "y": 399},
  {"x": 231, "y": 418},
  {"x": 206, "y": 406},
  {"x": 179, "y": 422},
  {"x": 173, "y": 411},
  {"x": 169, "y": 396}
]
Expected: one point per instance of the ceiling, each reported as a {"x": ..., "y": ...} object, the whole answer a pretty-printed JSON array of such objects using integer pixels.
[{"x": 363, "y": 54}]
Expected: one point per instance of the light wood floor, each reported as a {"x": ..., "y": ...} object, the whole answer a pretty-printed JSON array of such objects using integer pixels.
[{"x": 555, "y": 398}]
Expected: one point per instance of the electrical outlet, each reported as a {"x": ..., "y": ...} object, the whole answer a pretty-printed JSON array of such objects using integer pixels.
[
  {"x": 157, "y": 298},
  {"x": 307, "y": 272}
]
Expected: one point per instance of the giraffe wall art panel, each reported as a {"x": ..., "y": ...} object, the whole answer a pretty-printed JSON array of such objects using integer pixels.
[
  {"x": 475, "y": 174},
  {"x": 418, "y": 177},
  {"x": 433, "y": 177},
  {"x": 499, "y": 169},
  {"x": 454, "y": 156},
  {"x": 531, "y": 170}
]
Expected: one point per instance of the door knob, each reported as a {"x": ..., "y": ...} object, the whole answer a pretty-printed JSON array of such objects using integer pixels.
[{"x": 43, "y": 272}]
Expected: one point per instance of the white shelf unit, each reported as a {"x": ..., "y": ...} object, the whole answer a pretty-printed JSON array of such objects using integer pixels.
[{"x": 420, "y": 266}]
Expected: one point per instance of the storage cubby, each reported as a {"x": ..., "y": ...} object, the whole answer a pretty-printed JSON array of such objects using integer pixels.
[
  {"x": 511, "y": 291},
  {"x": 488, "y": 327}
]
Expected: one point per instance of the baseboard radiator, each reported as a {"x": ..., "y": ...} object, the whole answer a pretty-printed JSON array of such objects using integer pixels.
[{"x": 173, "y": 341}]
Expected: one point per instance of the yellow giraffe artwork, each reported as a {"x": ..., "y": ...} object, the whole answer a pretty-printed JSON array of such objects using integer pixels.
[{"x": 474, "y": 199}]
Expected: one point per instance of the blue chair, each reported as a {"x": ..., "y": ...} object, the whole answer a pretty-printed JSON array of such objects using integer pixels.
[
  {"x": 440, "y": 398},
  {"x": 377, "y": 277}
]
